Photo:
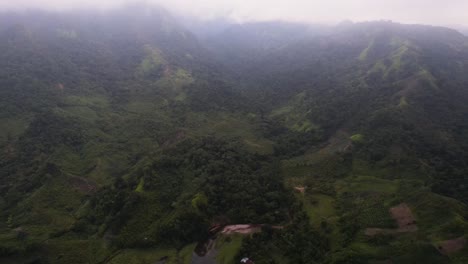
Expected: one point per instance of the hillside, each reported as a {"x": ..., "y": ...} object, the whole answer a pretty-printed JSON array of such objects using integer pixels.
[
  {"x": 126, "y": 138},
  {"x": 388, "y": 101}
]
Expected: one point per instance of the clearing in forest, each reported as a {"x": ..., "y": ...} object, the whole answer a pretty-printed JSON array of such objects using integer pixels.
[
  {"x": 448, "y": 247},
  {"x": 404, "y": 218}
]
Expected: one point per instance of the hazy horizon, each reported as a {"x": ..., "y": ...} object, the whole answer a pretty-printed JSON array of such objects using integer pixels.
[{"x": 439, "y": 13}]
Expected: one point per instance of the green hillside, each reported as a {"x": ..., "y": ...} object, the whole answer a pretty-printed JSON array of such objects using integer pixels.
[{"x": 124, "y": 138}]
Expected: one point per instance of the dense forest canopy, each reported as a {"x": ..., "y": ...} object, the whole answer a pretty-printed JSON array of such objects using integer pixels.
[{"x": 129, "y": 136}]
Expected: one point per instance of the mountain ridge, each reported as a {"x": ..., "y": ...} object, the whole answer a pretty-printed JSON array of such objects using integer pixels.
[{"x": 127, "y": 138}]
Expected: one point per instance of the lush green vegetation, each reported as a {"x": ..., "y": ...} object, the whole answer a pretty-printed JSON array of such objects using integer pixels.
[{"x": 125, "y": 139}]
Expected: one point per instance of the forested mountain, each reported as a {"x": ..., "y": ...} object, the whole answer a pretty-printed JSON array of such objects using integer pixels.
[
  {"x": 126, "y": 138},
  {"x": 240, "y": 45},
  {"x": 379, "y": 72}
]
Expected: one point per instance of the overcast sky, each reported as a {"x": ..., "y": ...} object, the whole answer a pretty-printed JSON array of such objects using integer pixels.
[{"x": 436, "y": 12}]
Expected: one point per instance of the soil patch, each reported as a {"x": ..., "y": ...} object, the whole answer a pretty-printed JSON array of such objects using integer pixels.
[
  {"x": 403, "y": 215},
  {"x": 404, "y": 218},
  {"x": 300, "y": 189},
  {"x": 241, "y": 229},
  {"x": 448, "y": 247}
]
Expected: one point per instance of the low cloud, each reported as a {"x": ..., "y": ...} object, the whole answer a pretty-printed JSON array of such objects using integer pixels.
[{"x": 438, "y": 12}]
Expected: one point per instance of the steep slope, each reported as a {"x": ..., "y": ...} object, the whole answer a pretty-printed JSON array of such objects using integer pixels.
[
  {"x": 359, "y": 74},
  {"x": 379, "y": 112},
  {"x": 116, "y": 130},
  {"x": 124, "y": 139}
]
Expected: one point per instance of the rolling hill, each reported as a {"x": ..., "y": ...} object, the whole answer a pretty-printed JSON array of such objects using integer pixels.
[{"x": 126, "y": 138}]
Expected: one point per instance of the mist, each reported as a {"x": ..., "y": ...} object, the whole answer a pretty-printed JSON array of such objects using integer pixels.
[{"x": 434, "y": 12}]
